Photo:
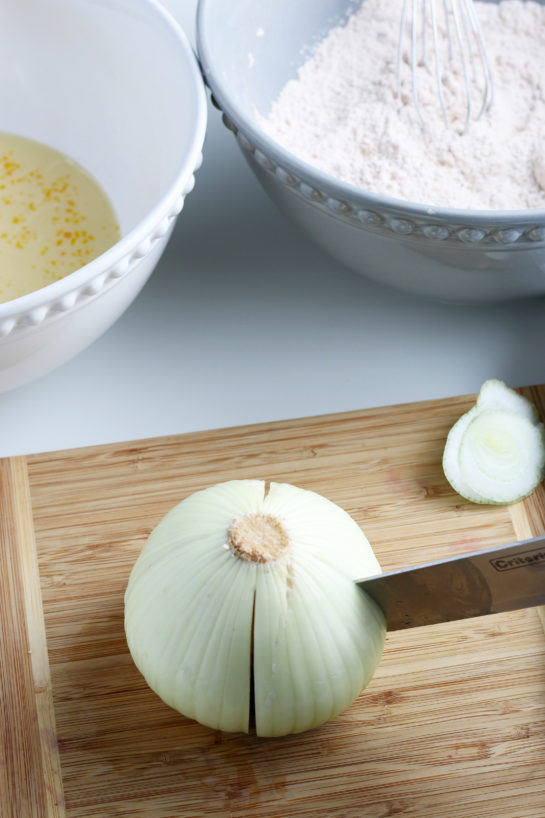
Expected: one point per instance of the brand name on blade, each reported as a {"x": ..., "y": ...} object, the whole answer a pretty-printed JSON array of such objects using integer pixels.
[{"x": 528, "y": 558}]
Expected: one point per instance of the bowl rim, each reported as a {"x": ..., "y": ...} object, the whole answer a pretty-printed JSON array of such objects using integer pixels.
[
  {"x": 337, "y": 188},
  {"x": 145, "y": 227}
]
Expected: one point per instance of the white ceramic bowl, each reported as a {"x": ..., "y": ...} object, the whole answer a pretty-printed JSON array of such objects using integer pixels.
[
  {"x": 248, "y": 50},
  {"x": 115, "y": 85}
]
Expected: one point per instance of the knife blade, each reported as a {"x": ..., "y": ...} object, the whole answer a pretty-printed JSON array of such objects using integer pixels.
[{"x": 504, "y": 578}]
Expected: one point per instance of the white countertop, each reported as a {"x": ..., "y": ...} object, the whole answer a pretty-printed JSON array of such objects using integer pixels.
[{"x": 245, "y": 321}]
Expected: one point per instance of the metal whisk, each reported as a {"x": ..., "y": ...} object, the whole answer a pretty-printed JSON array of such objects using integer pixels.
[{"x": 420, "y": 20}]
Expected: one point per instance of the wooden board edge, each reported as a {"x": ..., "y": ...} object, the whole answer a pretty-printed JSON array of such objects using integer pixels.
[
  {"x": 30, "y": 770},
  {"x": 462, "y": 402},
  {"x": 528, "y": 516}
]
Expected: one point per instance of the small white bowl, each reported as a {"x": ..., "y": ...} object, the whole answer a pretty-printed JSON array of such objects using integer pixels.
[{"x": 114, "y": 85}]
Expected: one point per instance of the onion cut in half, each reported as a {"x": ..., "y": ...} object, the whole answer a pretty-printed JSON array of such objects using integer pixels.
[
  {"x": 241, "y": 592},
  {"x": 495, "y": 453}
]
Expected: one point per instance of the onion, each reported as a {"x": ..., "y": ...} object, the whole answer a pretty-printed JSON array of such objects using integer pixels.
[
  {"x": 242, "y": 593},
  {"x": 495, "y": 453}
]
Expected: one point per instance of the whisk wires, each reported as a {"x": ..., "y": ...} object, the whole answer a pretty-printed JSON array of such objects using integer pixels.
[{"x": 457, "y": 54}]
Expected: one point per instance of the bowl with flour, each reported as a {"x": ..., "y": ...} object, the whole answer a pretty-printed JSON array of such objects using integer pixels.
[{"x": 309, "y": 91}]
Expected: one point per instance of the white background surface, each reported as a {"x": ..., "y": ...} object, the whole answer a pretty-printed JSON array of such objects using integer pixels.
[{"x": 245, "y": 321}]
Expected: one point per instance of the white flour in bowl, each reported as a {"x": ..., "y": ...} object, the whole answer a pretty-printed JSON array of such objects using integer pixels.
[{"x": 342, "y": 115}]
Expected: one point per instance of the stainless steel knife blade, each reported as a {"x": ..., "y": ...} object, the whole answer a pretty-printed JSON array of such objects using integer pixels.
[{"x": 504, "y": 578}]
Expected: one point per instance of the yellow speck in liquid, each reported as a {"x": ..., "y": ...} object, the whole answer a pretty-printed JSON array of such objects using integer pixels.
[{"x": 44, "y": 187}]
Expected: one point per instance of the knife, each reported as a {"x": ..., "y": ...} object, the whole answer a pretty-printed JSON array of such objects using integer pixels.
[{"x": 504, "y": 578}]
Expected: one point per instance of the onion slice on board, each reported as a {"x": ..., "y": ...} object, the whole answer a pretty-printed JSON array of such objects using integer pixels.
[{"x": 495, "y": 453}]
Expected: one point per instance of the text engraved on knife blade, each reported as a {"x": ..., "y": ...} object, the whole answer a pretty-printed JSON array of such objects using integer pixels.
[{"x": 524, "y": 560}]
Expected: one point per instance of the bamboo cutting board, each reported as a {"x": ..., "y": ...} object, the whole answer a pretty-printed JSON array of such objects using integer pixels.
[{"x": 452, "y": 724}]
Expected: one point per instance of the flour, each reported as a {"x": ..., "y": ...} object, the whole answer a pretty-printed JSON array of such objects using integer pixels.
[{"x": 342, "y": 114}]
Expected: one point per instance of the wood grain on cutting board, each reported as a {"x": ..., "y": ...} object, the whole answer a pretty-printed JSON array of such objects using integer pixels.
[{"x": 452, "y": 724}]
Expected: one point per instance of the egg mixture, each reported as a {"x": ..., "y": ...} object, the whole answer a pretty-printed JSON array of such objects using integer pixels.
[{"x": 54, "y": 216}]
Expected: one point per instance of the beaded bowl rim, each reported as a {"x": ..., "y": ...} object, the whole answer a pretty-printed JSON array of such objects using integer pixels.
[
  {"x": 119, "y": 259},
  {"x": 47, "y": 310},
  {"x": 330, "y": 186}
]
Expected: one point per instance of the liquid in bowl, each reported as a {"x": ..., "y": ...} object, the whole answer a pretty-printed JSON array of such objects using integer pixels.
[{"x": 54, "y": 216}]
